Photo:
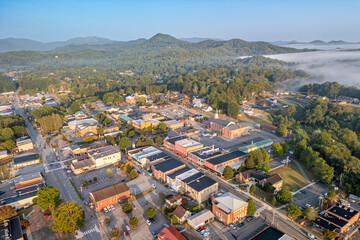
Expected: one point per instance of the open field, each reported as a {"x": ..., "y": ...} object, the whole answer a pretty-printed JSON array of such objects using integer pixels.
[{"x": 293, "y": 180}]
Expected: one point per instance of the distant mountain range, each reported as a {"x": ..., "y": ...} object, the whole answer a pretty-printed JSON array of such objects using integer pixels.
[
  {"x": 315, "y": 42},
  {"x": 162, "y": 42}
]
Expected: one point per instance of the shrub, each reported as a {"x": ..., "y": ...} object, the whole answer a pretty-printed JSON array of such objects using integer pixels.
[
  {"x": 284, "y": 196},
  {"x": 95, "y": 179}
]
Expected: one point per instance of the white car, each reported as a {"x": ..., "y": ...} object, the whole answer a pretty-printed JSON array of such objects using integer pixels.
[
  {"x": 153, "y": 185},
  {"x": 148, "y": 222},
  {"x": 112, "y": 207},
  {"x": 127, "y": 227},
  {"x": 109, "y": 208},
  {"x": 311, "y": 236},
  {"x": 105, "y": 210}
]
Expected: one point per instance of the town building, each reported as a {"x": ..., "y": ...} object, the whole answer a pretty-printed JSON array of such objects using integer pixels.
[
  {"x": 181, "y": 214},
  {"x": 78, "y": 150},
  {"x": 131, "y": 99},
  {"x": 24, "y": 144},
  {"x": 200, "y": 219},
  {"x": 170, "y": 142},
  {"x": 223, "y": 160},
  {"x": 228, "y": 208},
  {"x": 80, "y": 115},
  {"x": 202, "y": 154},
  {"x": 173, "y": 200},
  {"x": 270, "y": 233},
  {"x": 141, "y": 124},
  {"x": 275, "y": 181},
  {"x": 111, "y": 129},
  {"x": 253, "y": 146},
  {"x": 251, "y": 174},
  {"x": 184, "y": 146},
  {"x": 228, "y": 129},
  {"x": 105, "y": 156},
  {"x": 3, "y": 154},
  {"x": 23, "y": 190},
  {"x": 200, "y": 188},
  {"x": 80, "y": 166},
  {"x": 86, "y": 128},
  {"x": 109, "y": 195},
  {"x": 339, "y": 218},
  {"x": 72, "y": 124},
  {"x": 162, "y": 169},
  {"x": 269, "y": 128},
  {"x": 141, "y": 155},
  {"x": 125, "y": 119},
  {"x": 25, "y": 160},
  {"x": 174, "y": 124},
  {"x": 170, "y": 233},
  {"x": 11, "y": 229}
]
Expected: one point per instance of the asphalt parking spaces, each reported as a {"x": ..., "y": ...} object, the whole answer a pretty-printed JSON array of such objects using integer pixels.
[{"x": 309, "y": 195}]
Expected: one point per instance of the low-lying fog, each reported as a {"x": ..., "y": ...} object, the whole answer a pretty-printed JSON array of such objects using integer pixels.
[{"x": 329, "y": 65}]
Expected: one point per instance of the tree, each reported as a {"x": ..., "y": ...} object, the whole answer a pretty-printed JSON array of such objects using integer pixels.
[
  {"x": 252, "y": 188},
  {"x": 158, "y": 140},
  {"x": 251, "y": 207},
  {"x": 233, "y": 109},
  {"x": 277, "y": 150},
  {"x": 331, "y": 195},
  {"x": 281, "y": 130},
  {"x": 293, "y": 210},
  {"x": 150, "y": 212},
  {"x": 162, "y": 126},
  {"x": 329, "y": 234},
  {"x": 127, "y": 208},
  {"x": 134, "y": 222},
  {"x": 174, "y": 220},
  {"x": 285, "y": 147},
  {"x": 273, "y": 201},
  {"x": 298, "y": 95},
  {"x": 124, "y": 143},
  {"x": 228, "y": 172},
  {"x": 7, "y": 212},
  {"x": 9, "y": 144},
  {"x": 7, "y": 134},
  {"x": 310, "y": 213},
  {"x": 284, "y": 196},
  {"x": 109, "y": 173},
  {"x": 111, "y": 140},
  {"x": 48, "y": 197},
  {"x": 249, "y": 163},
  {"x": 68, "y": 217},
  {"x": 100, "y": 130},
  {"x": 133, "y": 174},
  {"x": 24, "y": 223},
  {"x": 131, "y": 134},
  {"x": 115, "y": 233},
  {"x": 141, "y": 101}
]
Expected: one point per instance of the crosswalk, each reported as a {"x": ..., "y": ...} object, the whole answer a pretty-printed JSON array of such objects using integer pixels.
[{"x": 81, "y": 234}]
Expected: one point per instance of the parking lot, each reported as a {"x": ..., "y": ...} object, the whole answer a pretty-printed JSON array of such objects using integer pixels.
[
  {"x": 310, "y": 195},
  {"x": 143, "y": 230}
]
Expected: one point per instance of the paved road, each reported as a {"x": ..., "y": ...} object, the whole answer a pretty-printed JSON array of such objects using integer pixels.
[
  {"x": 58, "y": 178},
  {"x": 266, "y": 211}
]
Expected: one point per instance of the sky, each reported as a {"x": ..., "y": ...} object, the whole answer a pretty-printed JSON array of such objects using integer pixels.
[{"x": 251, "y": 20}]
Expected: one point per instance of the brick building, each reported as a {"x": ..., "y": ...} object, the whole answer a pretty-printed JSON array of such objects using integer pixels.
[
  {"x": 170, "y": 142},
  {"x": 162, "y": 169},
  {"x": 223, "y": 160},
  {"x": 228, "y": 208},
  {"x": 184, "y": 146},
  {"x": 174, "y": 124},
  {"x": 109, "y": 195}
]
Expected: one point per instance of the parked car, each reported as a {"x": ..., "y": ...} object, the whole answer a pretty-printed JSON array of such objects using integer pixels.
[
  {"x": 133, "y": 205},
  {"x": 241, "y": 225},
  {"x": 148, "y": 222},
  {"x": 307, "y": 205},
  {"x": 127, "y": 227},
  {"x": 2, "y": 192},
  {"x": 311, "y": 236},
  {"x": 105, "y": 210},
  {"x": 154, "y": 234},
  {"x": 109, "y": 208},
  {"x": 152, "y": 220},
  {"x": 126, "y": 233},
  {"x": 165, "y": 225},
  {"x": 112, "y": 207},
  {"x": 232, "y": 226},
  {"x": 153, "y": 185},
  {"x": 47, "y": 215}
]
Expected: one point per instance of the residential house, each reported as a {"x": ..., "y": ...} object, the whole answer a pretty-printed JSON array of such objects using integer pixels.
[
  {"x": 173, "y": 200},
  {"x": 251, "y": 175},
  {"x": 229, "y": 208},
  {"x": 109, "y": 195},
  {"x": 182, "y": 214},
  {"x": 275, "y": 181},
  {"x": 170, "y": 233}
]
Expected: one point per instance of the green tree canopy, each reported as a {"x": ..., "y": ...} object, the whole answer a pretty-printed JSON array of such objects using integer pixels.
[
  {"x": 284, "y": 196},
  {"x": 150, "y": 212},
  {"x": 233, "y": 109},
  {"x": 281, "y": 130},
  {"x": 48, "y": 197},
  {"x": 252, "y": 188},
  {"x": 127, "y": 208},
  {"x": 310, "y": 213},
  {"x": 228, "y": 172},
  {"x": 124, "y": 143},
  {"x": 134, "y": 221},
  {"x": 293, "y": 210},
  {"x": 277, "y": 150},
  {"x": 133, "y": 174},
  {"x": 251, "y": 207},
  {"x": 68, "y": 217}
]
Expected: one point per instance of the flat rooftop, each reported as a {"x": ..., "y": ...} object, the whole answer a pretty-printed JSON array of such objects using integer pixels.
[
  {"x": 103, "y": 152},
  {"x": 172, "y": 122},
  {"x": 202, "y": 183},
  {"x": 168, "y": 165},
  {"x": 206, "y": 152},
  {"x": 27, "y": 177},
  {"x": 157, "y": 156},
  {"x": 175, "y": 139},
  {"x": 187, "y": 143},
  {"x": 179, "y": 172},
  {"x": 26, "y": 158},
  {"x": 226, "y": 157},
  {"x": 192, "y": 177},
  {"x": 343, "y": 211}
]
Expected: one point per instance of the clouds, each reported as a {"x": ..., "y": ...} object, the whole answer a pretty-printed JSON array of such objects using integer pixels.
[{"x": 334, "y": 65}]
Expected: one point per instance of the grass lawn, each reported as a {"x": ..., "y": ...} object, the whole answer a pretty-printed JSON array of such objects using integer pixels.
[
  {"x": 265, "y": 196},
  {"x": 308, "y": 172},
  {"x": 4, "y": 171},
  {"x": 293, "y": 179}
]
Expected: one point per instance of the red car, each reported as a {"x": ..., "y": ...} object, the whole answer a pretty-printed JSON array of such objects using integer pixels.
[
  {"x": 47, "y": 215},
  {"x": 126, "y": 233}
]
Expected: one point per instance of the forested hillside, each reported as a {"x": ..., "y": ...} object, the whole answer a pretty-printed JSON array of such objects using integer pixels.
[{"x": 6, "y": 84}]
